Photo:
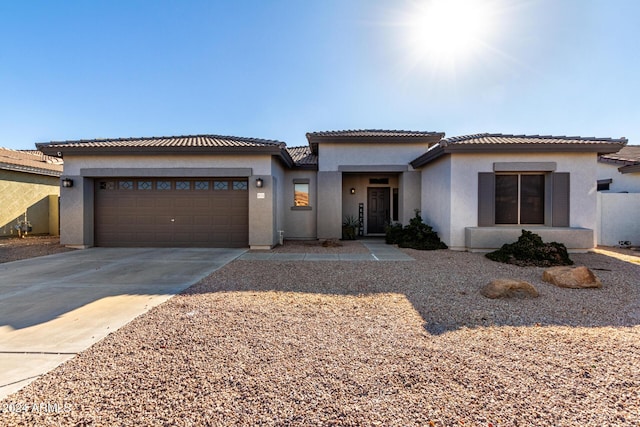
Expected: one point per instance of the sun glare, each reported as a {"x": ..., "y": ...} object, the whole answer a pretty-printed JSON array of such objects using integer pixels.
[{"x": 449, "y": 32}]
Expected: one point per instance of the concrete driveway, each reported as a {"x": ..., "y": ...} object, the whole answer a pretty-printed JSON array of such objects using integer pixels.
[{"x": 55, "y": 306}]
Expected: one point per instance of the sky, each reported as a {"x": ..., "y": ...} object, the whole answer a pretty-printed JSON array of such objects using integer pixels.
[{"x": 277, "y": 69}]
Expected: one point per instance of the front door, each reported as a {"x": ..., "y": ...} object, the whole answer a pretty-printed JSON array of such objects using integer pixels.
[{"x": 378, "y": 214}]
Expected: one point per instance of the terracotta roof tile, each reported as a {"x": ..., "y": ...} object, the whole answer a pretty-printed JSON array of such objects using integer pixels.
[
  {"x": 627, "y": 156},
  {"x": 378, "y": 133},
  {"x": 166, "y": 141},
  {"x": 498, "y": 138},
  {"x": 30, "y": 161},
  {"x": 302, "y": 156}
]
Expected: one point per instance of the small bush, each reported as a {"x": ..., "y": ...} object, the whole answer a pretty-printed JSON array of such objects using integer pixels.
[
  {"x": 530, "y": 250},
  {"x": 416, "y": 235}
]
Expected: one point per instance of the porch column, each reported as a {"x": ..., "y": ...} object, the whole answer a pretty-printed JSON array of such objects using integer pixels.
[
  {"x": 329, "y": 205},
  {"x": 262, "y": 212},
  {"x": 76, "y": 212}
]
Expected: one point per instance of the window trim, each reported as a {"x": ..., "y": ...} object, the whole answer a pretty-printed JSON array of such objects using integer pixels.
[
  {"x": 307, "y": 182},
  {"x": 557, "y": 211}
]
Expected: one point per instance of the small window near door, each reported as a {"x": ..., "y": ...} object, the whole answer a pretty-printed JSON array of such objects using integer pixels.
[
  {"x": 378, "y": 180},
  {"x": 301, "y": 194},
  {"x": 395, "y": 204}
]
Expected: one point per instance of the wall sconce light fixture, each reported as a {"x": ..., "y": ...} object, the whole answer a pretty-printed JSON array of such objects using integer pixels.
[
  {"x": 352, "y": 191},
  {"x": 259, "y": 183},
  {"x": 67, "y": 182}
]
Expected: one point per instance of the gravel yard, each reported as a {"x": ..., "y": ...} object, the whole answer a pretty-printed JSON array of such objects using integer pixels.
[
  {"x": 15, "y": 248},
  {"x": 362, "y": 343}
]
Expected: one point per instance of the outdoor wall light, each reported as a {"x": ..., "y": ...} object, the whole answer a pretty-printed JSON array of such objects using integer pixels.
[
  {"x": 352, "y": 191},
  {"x": 67, "y": 182},
  {"x": 259, "y": 182}
]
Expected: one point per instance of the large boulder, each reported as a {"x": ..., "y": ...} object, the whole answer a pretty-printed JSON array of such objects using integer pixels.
[
  {"x": 504, "y": 288},
  {"x": 571, "y": 277}
]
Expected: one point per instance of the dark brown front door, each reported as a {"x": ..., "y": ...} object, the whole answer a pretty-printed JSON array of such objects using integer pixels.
[
  {"x": 171, "y": 212},
  {"x": 378, "y": 214}
]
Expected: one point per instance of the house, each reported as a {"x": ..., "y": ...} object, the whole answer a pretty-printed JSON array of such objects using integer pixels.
[
  {"x": 29, "y": 190},
  {"x": 477, "y": 191},
  {"x": 619, "y": 197},
  {"x": 620, "y": 172}
]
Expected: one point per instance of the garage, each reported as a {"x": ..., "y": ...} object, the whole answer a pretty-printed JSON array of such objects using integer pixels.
[{"x": 171, "y": 212}]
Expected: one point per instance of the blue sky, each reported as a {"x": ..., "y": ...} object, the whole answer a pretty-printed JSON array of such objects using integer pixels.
[{"x": 277, "y": 69}]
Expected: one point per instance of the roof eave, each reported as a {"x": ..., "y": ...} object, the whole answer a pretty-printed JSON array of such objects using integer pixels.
[
  {"x": 600, "y": 148},
  {"x": 428, "y": 157},
  {"x": 30, "y": 169},
  {"x": 630, "y": 168}
]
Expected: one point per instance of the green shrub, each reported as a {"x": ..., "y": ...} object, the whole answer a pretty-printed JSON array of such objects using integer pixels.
[
  {"x": 416, "y": 235},
  {"x": 530, "y": 250}
]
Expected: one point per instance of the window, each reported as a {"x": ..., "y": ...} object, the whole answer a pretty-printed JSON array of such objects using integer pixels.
[
  {"x": 240, "y": 185},
  {"x": 301, "y": 194},
  {"x": 534, "y": 198},
  {"x": 220, "y": 185},
  {"x": 604, "y": 184},
  {"x": 519, "y": 199},
  {"x": 125, "y": 185},
  {"x": 183, "y": 185},
  {"x": 145, "y": 185},
  {"x": 201, "y": 185},
  {"x": 163, "y": 185}
]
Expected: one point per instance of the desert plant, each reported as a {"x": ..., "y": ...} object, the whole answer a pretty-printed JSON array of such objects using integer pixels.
[
  {"x": 530, "y": 250},
  {"x": 416, "y": 235},
  {"x": 350, "y": 227}
]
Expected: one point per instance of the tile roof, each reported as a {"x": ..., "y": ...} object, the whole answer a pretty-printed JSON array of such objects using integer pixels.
[
  {"x": 498, "y": 138},
  {"x": 378, "y": 133},
  {"x": 497, "y": 142},
  {"x": 30, "y": 161},
  {"x": 303, "y": 157},
  {"x": 166, "y": 141},
  {"x": 627, "y": 156}
]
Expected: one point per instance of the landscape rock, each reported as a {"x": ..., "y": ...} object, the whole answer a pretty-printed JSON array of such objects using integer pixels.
[
  {"x": 571, "y": 277},
  {"x": 504, "y": 288}
]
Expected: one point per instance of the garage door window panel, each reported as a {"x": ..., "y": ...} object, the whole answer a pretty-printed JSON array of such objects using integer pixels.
[{"x": 240, "y": 185}]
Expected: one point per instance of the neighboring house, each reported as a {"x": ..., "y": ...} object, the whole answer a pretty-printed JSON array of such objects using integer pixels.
[
  {"x": 477, "y": 191},
  {"x": 619, "y": 197},
  {"x": 29, "y": 188},
  {"x": 620, "y": 172}
]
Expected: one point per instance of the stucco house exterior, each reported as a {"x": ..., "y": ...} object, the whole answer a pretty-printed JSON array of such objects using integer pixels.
[
  {"x": 477, "y": 191},
  {"x": 619, "y": 197},
  {"x": 29, "y": 187},
  {"x": 620, "y": 172}
]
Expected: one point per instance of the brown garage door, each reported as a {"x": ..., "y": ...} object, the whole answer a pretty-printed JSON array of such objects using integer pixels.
[{"x": 171, "y": 212}]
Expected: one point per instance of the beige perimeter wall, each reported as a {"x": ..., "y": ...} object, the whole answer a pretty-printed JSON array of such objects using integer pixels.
[{"x": 35, "y": 195}]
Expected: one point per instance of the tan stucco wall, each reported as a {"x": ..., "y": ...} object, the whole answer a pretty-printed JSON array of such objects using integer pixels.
[{"x": 22, "y": 193}]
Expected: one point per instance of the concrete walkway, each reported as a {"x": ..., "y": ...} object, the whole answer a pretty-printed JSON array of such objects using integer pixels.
[
  {"x": 378, "y": 251},
  {"x": 55, "y": 306}
]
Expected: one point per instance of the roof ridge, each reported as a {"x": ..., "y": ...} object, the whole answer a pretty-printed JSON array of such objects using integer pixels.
[{"x": 155, "y": 138}]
